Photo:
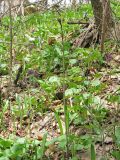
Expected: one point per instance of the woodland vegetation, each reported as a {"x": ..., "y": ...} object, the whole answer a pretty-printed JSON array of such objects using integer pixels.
[{"x": 60, "y": 80}]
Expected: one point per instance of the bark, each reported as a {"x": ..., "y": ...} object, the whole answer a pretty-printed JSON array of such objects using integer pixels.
[
  {"x": 98, "y": 10},
  {"x": 109, "y": 23}
]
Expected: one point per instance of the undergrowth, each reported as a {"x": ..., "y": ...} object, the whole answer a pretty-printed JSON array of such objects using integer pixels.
[{"x": 37, "y": 46}]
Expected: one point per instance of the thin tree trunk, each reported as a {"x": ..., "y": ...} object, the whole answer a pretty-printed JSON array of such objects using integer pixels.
[
  {"x": 109, "y": 23},
  {"x": 98, "y": 9},
  {"x": 98, "y": 12}
]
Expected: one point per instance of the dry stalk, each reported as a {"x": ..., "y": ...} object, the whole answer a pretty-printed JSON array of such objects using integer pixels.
[
  {"x": 11, "y": 41},
  {"x": 64, "y": 87}
]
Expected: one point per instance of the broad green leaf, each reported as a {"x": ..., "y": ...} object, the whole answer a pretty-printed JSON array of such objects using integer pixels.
[
  {"x": 58, "y": 50},
  {"x": 87, "y": 82},
  {"x": 4, "y": 158},
  {"x": 78, "y": 147},
  {"x": 5, "y": 143},
  {"x": 62, "y": 144},
  {"x": 3, "y": 65},
  {"x": 95, "y": 83},
  {"x": 72, "y": 91},
  {"x": 86, "y": 95},
  {"x": 96, "y": 100},
  {"x": 61, "y": 138},
  {"x": 51, "y": 142},
  {"x": 21, "y": 140},
  {"x": 116, "y": 154},
  {"x": 54, "y": 79},
  {"x": 31, "y": 39},
  {"x": 17, "y": 149},
  {"x": 73, "y": 61},
  {"x": 7, "y": 152}
]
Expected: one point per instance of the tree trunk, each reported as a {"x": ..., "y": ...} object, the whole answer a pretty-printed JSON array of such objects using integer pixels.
[{"x": 102, "y": 10}]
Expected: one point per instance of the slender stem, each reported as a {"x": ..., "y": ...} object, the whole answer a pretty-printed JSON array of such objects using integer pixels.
[
  {"x": 1, "y": 94},
  {"x": 11, "y": 40},
  {"x": 11, "y": 48},
  {"x": 64, "y": 86}
]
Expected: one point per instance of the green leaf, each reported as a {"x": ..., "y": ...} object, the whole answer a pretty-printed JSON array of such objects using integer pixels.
[
  {"x": 71, "y": 91},
  {"x": 5, "y": 143},
  {"x": 17, "y": 149},
  {"x": 117, "y": 135},
  {"x": 114, "y": 98},
  {"x": 73, "y": 61},
  {"x": 3, "y": 65},
  {"x": 21, "y": 140},
  {"x": 74, "y": 158},
  {"x": 93, "y": 155},
  {"x": 40, "y": 151},
  {"x": 116, "y": 155},
  {"x": 79, "y": 147},
  {"x": 117, "y": 132},
  {"x": 62, "y": 144},
  {"x": 52, "y": 141},
  {"x": 96, "y": 100},
  {"x": 86, "y": 83},
  {"x": 61, "y": 138},
  {"x": 54, "y": 79},
  {"x": 4, "y": 158},
  {"x": 7, "y": 152},
  {"x": 95, "y": 83},
  {"x": 59, "y": 122},
  {"x": 86, "y": 95},
  {"x": 58, "y": 50}
]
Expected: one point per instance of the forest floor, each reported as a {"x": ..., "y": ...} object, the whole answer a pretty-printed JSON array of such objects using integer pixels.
[
  {"x": 35, "y": 125},
  {"x": 34, "y": 105}
]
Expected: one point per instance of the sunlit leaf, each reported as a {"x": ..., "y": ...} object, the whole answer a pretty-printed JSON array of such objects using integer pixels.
[
  {"x": 54, "y": 79},
  {"x": 95, "y": 83}
]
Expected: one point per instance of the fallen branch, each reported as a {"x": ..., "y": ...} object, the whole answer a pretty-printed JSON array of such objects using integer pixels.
[{"x": 77, "y": 22}]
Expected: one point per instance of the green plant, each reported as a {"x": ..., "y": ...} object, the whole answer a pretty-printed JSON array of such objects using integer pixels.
[{"x": 22, "y": 148}]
